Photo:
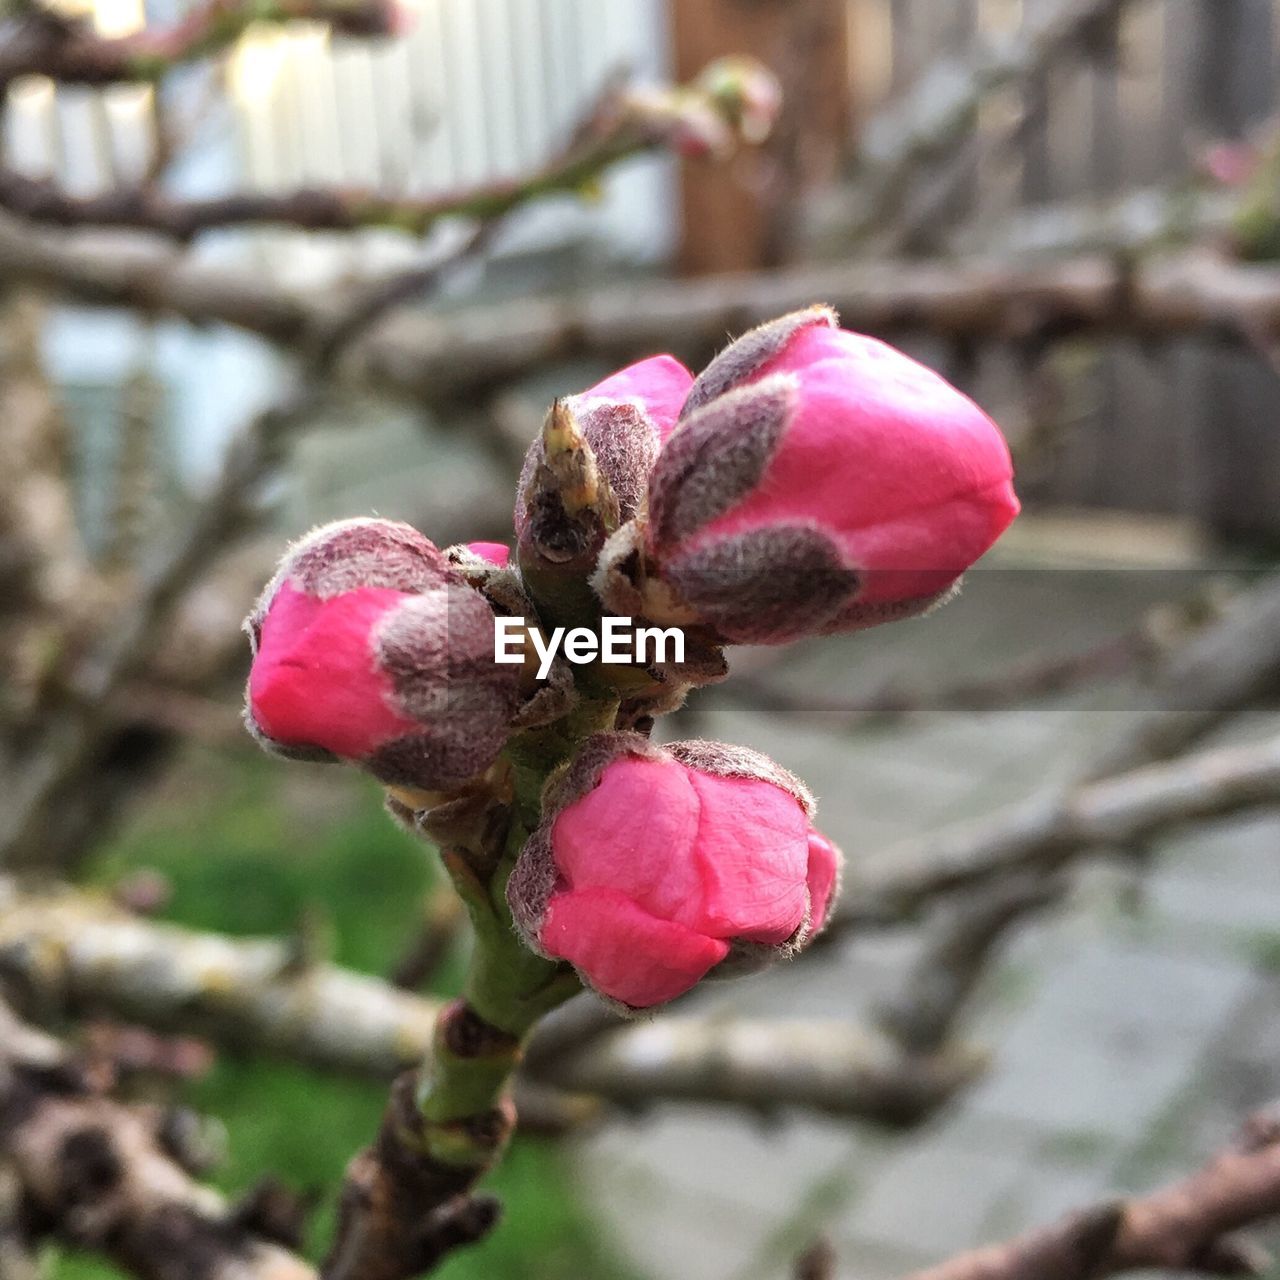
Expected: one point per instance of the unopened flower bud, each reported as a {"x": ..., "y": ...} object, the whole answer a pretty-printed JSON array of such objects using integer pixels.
[
  {"x": 623, "y": 421},
  {"x": 368, "y": 647},
  {"x": 818, "y": 481},
  {"x": 586, "y": 473},
  {"x": 1230, "y": 164},
  {"x": 747, "y": 94},
  {"x": 689, "y": 122},
  {"x": 653, "y": 866}
]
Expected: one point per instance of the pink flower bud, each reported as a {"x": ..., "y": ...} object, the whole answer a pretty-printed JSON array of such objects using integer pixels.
[
  {"x": 402, "y": 20},
  {"x": 653, "y": 866},
  {"x": 624, "y": 420},
  {"x": 821, "y": 481},
  {"x": 746, "y": 92},
  {"x": 368, "y": 647},
  {"x": 1230, "y": 164}
]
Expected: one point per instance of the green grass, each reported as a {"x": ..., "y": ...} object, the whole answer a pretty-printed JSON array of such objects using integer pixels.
[{"x": 256, "y": 847}]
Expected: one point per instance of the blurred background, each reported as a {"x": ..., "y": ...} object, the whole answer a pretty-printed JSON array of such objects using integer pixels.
[{"x": 1068, "y": 207}]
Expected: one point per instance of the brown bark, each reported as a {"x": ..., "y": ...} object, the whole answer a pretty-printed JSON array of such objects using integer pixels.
[{"x": 101, "y": 1175}]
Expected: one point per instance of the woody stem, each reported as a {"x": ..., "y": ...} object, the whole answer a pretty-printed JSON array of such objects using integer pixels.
[
  {"x": 478, "y": 1040},
  {"x": 408, "y": 1199}
]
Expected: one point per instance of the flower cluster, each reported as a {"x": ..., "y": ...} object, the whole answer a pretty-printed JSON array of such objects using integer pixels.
[{"x": 808, "y": 481}]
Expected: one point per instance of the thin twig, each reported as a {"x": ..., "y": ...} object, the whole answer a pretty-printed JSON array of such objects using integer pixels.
[
  {"x": 921, "y": 1012},
  {"x": 69, "y": 50},
  {"x": 767, "y": 1065},
  {"x": 1050, "y": 829}
]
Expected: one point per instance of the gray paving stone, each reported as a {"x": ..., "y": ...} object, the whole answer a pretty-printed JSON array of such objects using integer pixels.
[
  {"x": 1111, "y": 1036},
  {"x": 715, "y": 1154},
  {"x": 1218, "y": 901},
  {"x": 674, "y": 1236},
  {"x": 1045, "y": 1192},
  {"x": 1117, "y": 987},
  {"x": 939, "y": 1194},
  {"x": 861, "y": 1259}
]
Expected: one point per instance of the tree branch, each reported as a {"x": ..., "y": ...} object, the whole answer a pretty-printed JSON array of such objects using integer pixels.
[
  {"x": 764, "y": 1066},
  {"x": 926, "y": 129},
  {"x": 1222, "y": 669},
  {"x": 1138, "y": 222},
  {"x": 44, "y": 43},
  {"x": 473, "y": 351},
  {"x": 922, "y": 1010},
  {"x": 1218, "y": 671},
  {"x": 1049, "y": 830},
  {"x": 98, "y": 1174},
  {"x": 1183, "y": 1227},
  {"x": 78, "y": 953},
  {"x": 622, "y": 122},
  {"x": 260, "y": 994}
]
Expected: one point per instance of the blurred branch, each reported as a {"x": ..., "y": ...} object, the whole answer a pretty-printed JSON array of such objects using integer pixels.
[
  {"x": 45, "y": 584},
  {"x": 761, "y": 1065},
  {"x": 472, "y": 352},
  {"x": 1137, "y": 222},
  {"x": 1139, "y": 648},
  {"x": 99, "y": 1174},
  {"x": 1185, "y": 1227},
  {"x": 1217, "y": 672},
  {"x": 1221, "y": 670},
  {"x": 71, "y": 732},
  {"x": 817, "y": 1262},
  {"x": 41, "y": 42},
  {"x": 622, "y": 122},
  {"x": 1048, "y": 830},
  {"x": 443, "y": 923},
  {"x": 84, "y": 952},
  {"x": 136, "y": 629},
  {"x": 17, "y": 1258},
  {"x": 922, "y": 1012},
  {"x": 480, "y": 347},
  {"x": 942, "y": 109},
  {"x": 75, "y": 952}
]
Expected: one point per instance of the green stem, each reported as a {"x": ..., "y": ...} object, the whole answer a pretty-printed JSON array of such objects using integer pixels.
[{"x": 461, "y": 1095}]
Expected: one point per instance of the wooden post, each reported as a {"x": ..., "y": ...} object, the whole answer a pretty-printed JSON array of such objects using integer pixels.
[{"x": 741, "y": 215}]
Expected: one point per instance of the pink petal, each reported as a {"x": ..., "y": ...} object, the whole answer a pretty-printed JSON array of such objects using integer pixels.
[
  {"x": 823, "y": 872},
  {"x": 314, "y": 681},
  {"x": 661, "y": 385},
  {"x": 624, "y": 952},
  {"x": 751, "y": 852},
  {"x": 723, "y": 856},
  {"x": 496, "y": 553},
  {"x": 634, "y": 833}
]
